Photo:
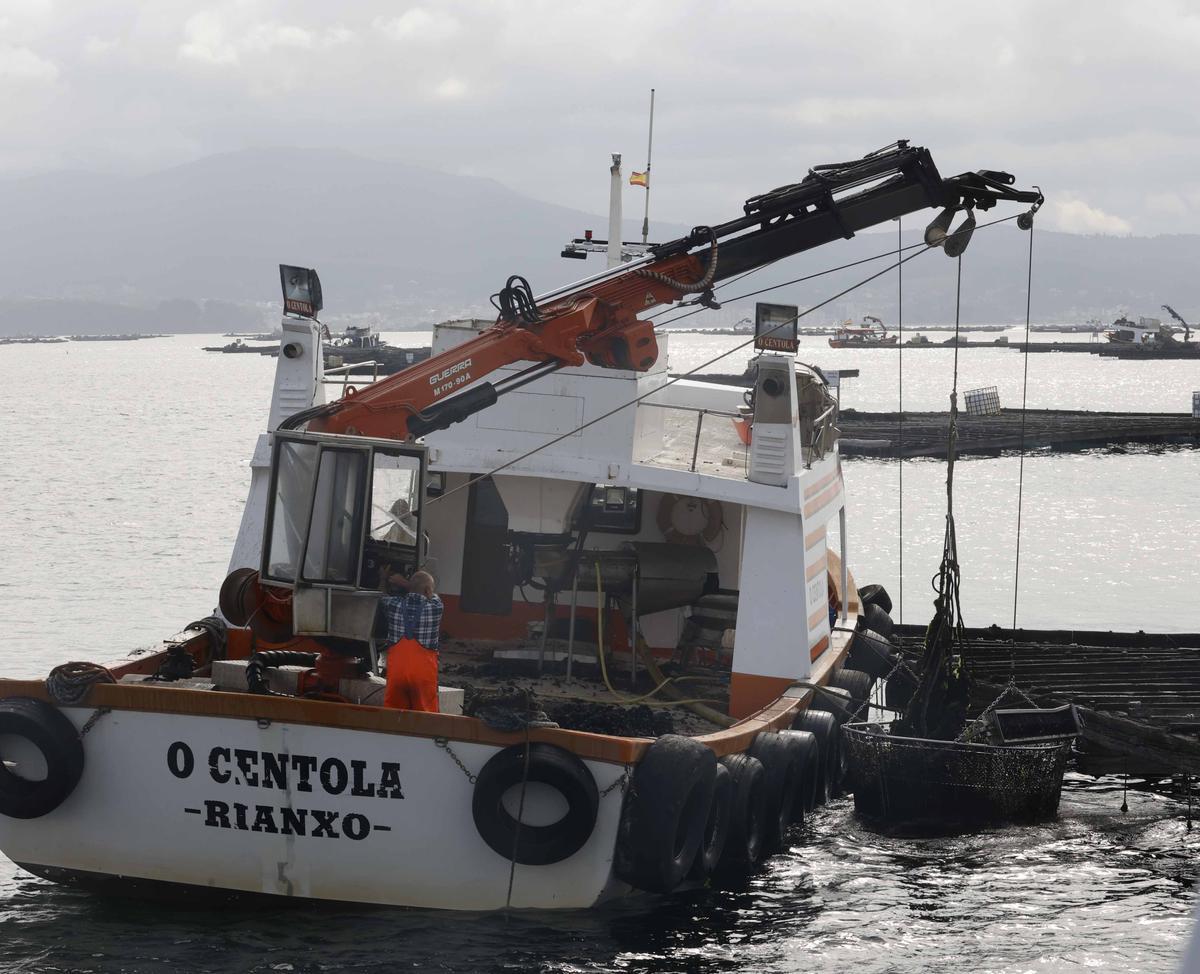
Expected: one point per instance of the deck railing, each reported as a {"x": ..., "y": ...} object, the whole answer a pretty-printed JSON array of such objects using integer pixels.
[
  {"x": 701, "y": 413},
  {"x": 344, "y": 372},
  {"x": 822, "y": 435}
]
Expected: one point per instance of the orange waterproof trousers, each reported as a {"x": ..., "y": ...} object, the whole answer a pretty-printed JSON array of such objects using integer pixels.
[{"x": 412, "y": 677}]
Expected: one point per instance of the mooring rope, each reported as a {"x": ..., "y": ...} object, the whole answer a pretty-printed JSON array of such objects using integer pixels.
[
  {"x": 900, "y": 385},
  {"x": 512, "y": 862},
  {"x": 69, "y": 683},
  {"x": 1021, "y": 468}
]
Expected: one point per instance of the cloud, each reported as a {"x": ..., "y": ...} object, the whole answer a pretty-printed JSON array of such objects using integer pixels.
[
  {"x": 206, "y": 41},
  {"x": 210, "y": 39},
  {"x": 1075, "y": 216},
  {"x": 19, "y": 64},
  {"x": 419, "y": 24}
]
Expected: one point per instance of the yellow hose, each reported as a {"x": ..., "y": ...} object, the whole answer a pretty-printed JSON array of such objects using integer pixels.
[{"x": 697, "y": 706}]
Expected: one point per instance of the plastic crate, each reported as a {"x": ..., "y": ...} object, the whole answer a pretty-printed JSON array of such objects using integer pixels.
[{"x": 982, "y": 402}]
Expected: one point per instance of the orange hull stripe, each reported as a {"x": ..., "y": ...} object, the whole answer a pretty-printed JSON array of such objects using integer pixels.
[
  {"x": 819, "y": 647},
  {"x": 814, "y": 539},
  {"x": 815, "y": 505},
  {"x": 814, "y": 620},
  {"x": 816, "y": 568},
  {"x": 816, "y": 488}
]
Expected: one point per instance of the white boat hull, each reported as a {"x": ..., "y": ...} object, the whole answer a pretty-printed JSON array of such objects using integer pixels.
[{"x": 361, "y": 817}]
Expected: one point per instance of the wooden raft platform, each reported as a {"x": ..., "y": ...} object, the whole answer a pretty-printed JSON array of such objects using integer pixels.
[
  {"x": 924, "y": 434},
  {"x": 1138, "y": 694}
]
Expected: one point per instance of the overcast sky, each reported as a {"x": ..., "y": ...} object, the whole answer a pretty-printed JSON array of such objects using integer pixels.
[{"x": 1095, "y": 102}]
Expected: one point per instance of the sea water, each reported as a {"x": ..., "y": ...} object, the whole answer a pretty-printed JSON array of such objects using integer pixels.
[{"x": 123, "y": 471}]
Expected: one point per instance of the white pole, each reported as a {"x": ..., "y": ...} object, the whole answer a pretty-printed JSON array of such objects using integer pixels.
[
  {"x": 845, "y": 565},
  {"x": 614, "y": 212},
  {"x": 649, "y": 146}
]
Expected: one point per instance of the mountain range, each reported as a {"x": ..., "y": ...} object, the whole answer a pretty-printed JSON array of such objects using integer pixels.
[{"x": 195, "y": 248}]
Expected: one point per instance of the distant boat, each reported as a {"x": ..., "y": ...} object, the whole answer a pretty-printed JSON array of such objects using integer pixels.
[
  {"x": 871, "y": 333},
  {"x": 1125, "y": 332}
]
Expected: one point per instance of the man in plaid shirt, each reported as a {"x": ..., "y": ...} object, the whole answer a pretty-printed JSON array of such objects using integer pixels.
[{"x": 414, "y": 634}]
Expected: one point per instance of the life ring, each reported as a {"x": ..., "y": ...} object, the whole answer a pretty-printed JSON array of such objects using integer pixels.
[
  {"x": 744, "y": 845},
  {"x": 697, "y": 507},
  {"x": 824, "y": 727},
  {"x": 783, "y": 767},
  {"x": 716, "y": 828},
  {"x": 48, "y": 730},
  {"x": 665, "y": 813},
  {"x": 535, "y": 845}
]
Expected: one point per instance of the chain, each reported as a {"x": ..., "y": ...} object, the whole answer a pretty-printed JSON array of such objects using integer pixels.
[
  {"x": 619, "y": 783},
  {"x": 444, "y": 744},
  {"x": 91, "y": 721}
]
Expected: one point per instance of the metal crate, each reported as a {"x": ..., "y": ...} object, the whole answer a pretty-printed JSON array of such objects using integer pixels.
[{"x": 982, "y": 402}]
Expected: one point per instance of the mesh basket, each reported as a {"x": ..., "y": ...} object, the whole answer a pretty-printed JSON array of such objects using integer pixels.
[{"x": 911, "y": 781}]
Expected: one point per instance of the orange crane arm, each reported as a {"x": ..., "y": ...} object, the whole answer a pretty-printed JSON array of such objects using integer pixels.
[{"x": 598, "y": 325}]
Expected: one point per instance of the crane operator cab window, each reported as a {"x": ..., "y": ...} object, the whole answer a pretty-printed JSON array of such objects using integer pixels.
[{"x": 341, "y": 510}]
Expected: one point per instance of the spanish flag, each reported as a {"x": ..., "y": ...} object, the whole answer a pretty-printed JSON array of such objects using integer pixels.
[{"x": 639, "y": 179}]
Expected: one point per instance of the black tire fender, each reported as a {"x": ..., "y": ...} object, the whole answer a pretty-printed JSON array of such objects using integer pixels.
[
  {"x": 875, "y": 595},
  {"x": 535, "y": 845},
  {"x": 872, "y": 653},
  {"x": 807, "y": 796},
  {"x": 665, "y": 813},
  {"x": 47, "y": 729},
  {"x": 716, "y": 828},
  {"x": 783, "y": 767},
  {"x": 877, "y": 620},
  {"x": 747, "y": 814},
  {"x": 859, "y": 686},
  {"x": 834, "y": 700},
  {"x": 825, "y": 728}
]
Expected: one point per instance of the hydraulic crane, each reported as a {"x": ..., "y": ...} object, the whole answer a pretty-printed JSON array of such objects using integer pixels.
[
  {"x": 1187, "y": 329},
  {"x": 596, "y": 320}
]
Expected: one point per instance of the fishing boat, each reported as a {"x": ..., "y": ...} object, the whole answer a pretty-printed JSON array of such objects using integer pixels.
[
  {"x": 596, "y": 552},
  {"x": 869, "y": 333}
]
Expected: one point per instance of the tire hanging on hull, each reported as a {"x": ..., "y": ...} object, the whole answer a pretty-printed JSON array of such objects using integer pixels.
[
  {"x": 47, "y": 729},
  {"x": 716, "y": 828},
  {"x": 744, "y": 845},
  {"x": 665, "y": 814},
  {"x": 535, "y": 845}
]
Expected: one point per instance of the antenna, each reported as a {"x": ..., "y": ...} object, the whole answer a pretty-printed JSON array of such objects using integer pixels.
[{"x": 649, "y": 148}]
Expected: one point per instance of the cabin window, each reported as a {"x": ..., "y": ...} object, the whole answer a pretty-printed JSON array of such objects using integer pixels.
[
  {"x": 296, "y": 464},
  {"x": 395, "y": 498},
  {"x": 335, "y": 533}
]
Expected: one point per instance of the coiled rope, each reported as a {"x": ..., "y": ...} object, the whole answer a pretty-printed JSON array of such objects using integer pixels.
[
  {"x": 218, "y": 635},
  {"x": 69, "y": 683}
]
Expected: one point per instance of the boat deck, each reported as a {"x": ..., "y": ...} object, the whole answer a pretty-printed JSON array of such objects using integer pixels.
[
  {"x": 509, "y": 669},
  {"x": 700, "y": 442}
]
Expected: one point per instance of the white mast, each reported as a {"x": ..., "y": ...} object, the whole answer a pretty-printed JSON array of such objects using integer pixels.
[{"x": 614, "y": 212}]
